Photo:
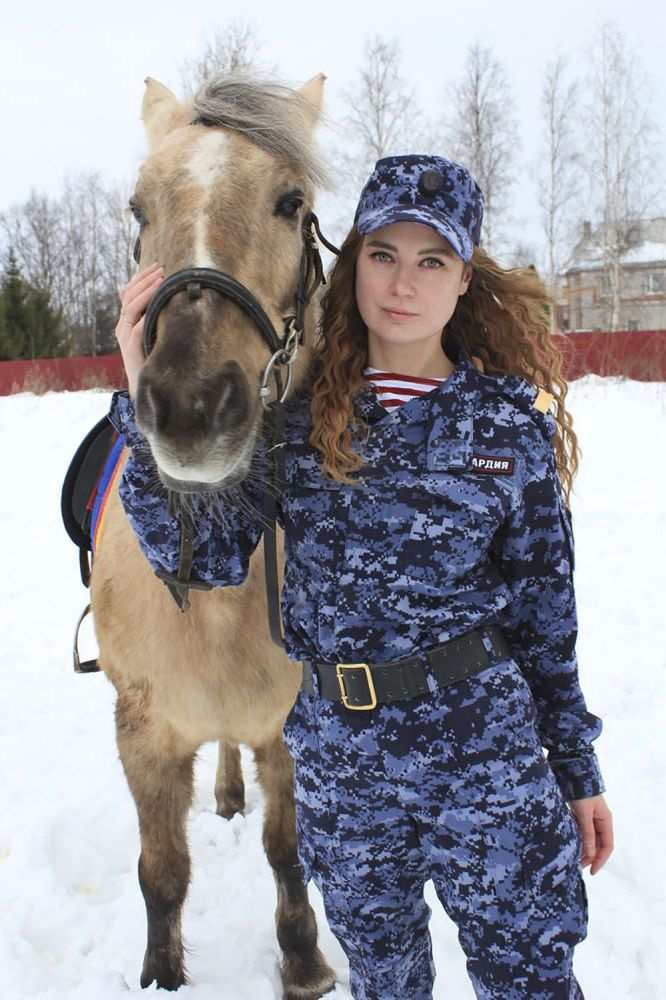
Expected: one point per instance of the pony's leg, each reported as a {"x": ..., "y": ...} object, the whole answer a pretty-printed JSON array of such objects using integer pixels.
[
  {"x": 229, "y": 787},
  {"x": 160, "y": 776},
  {"x": 305, "y": 972}
]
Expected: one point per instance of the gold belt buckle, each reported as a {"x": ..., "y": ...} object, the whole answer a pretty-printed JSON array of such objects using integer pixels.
[{"x": 339, "y": 668}]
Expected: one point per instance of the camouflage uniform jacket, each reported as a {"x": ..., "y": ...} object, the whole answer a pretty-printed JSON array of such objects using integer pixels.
[{"x": 458, "y": 521}]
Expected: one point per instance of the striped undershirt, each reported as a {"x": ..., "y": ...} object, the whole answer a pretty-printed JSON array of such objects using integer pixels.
[{"x": 394, "y": 390}]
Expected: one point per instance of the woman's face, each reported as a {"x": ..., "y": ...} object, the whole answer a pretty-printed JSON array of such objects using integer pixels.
[{"x": 408, "y": 281}]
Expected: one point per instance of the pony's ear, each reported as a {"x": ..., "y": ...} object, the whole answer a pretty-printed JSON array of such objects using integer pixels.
[
  {"x": 312, "y": 93},
  {"x": 161, "y": 112}
]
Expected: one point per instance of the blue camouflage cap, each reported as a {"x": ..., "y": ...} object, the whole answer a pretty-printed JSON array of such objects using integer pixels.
[{"x": 426, "y": 189}]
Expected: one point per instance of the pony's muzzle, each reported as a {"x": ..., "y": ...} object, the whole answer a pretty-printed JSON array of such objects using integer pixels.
[{"x": 218, "y": 403}]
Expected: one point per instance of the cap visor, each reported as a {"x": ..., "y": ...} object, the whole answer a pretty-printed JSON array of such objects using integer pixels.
[{"x": 459, "y": 240}]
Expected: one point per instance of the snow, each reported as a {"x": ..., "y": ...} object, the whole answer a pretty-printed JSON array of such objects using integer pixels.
[
  {"x": 646, "y": 253},
  {"x": 72, "y": 922},
  {"x": 590, "y": 256}
]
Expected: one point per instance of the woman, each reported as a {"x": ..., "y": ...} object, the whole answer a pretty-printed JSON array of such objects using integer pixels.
[{"x": 428, "y": 592}]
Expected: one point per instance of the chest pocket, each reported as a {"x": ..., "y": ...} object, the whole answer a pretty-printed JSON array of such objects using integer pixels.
[
  {"x": 303, "y": 477},
  {"x": 444, "y": 522}
]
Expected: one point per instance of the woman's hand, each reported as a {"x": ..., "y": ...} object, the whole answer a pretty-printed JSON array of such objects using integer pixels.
[
  {"x": 134, "y": 299},
  {"x": 595, "y": 822}
]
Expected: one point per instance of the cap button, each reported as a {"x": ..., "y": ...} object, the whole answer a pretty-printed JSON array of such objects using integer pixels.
[{"x": 430, "y": 183}]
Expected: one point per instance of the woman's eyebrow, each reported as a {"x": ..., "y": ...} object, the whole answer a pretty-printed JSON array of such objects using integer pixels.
[
  {"x": 380, "y": 244},
  {"x": 440, "y": 249}
]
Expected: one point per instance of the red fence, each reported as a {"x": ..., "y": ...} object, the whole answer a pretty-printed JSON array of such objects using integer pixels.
[
  {"x": 637, "y": 354},
  {"x": 61, "y": 373}
]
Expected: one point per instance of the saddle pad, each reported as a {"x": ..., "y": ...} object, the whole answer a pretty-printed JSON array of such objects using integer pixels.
[
  {"x": 87, "y": 486},
  {"x": 105, "y": 486},
  {"x": 81, "y": 478}
]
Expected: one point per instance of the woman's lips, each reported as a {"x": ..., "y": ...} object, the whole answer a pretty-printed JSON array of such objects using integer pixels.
[{"x": 398, "y": 313}]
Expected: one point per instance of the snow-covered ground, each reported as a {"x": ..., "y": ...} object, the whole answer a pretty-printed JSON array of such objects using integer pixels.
[{"x": 71, "y": 913}]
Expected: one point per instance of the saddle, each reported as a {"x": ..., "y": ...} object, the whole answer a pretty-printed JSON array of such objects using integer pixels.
[{"x": 87, "y": 486}]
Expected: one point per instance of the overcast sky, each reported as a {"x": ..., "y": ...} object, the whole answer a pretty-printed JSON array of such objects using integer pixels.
[{"x": 71, "y": 73}]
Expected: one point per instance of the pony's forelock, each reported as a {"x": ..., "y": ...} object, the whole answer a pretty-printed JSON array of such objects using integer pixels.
[{"x": 268, "y": 114}]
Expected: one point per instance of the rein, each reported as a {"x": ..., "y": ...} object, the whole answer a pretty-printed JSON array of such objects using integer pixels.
[{"x": 284, "y": 350}]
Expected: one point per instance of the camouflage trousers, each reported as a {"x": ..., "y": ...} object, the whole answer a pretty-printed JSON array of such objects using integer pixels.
[{"x": 454, "y": 787}]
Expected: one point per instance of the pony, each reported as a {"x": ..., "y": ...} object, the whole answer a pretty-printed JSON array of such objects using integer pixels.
[{"x": 228, "y": 184}]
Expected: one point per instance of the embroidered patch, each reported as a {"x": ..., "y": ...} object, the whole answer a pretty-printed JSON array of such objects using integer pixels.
[{"x": 496, "y": 465}]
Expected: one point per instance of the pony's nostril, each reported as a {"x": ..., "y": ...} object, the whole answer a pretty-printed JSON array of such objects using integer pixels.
[
  {"x": 224, "y": 405},
  {"x": 220, "y": 404},
  {"x": 224, "y": 393},
  {"x": 152, "y": 405},
  {"x": 227, "y": 389}
]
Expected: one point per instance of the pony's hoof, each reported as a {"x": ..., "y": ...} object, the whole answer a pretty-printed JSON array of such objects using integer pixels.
[
  {"x": 229, "y": 804},
  {"x": 166, "y": 979},
  {"x": 319, "y": 981},
  {"x": 298, "y": 993},
  {"x": 229, "y": 811}
]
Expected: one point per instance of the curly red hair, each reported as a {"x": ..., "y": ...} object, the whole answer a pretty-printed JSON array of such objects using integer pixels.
[{"x": 504, "y": 319}]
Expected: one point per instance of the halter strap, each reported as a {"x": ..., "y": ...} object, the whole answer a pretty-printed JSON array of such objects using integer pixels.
[
  {"x": 283, "y": 353},
  {"x": 193, "y": 280}
]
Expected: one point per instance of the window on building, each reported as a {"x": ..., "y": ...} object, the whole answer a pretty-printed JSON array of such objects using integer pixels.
[
  {"x": 605, "y": 285},
  {"x": 633, "y": 235},
  {"x": 655, "y": 282},
  {"x": 632, "y": 324}
]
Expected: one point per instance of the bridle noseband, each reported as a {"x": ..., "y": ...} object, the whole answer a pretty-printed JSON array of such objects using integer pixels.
[
  {"x": 283, "y": 354},
  {"x": 283, "y": 349}
]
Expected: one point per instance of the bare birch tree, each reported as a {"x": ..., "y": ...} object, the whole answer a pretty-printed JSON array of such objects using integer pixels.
[
  {"x": 379, "y": 102},
  {"x": 382, "y": 117},
  {"x": 233, "y": 49},
  {"x": 483, "y": 135},
  {"x": 559, "y": 168},
  {"x": 34, "y": 232},
  {"x": 116, "y": 262},
  {"x": 76, "y": 248},
  {"x": 620, "y": 140}
]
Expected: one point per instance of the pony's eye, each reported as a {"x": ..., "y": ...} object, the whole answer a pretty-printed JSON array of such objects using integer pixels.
[
  {"x": 138, "y": 213},
  {"x": 290, "y": 205}
]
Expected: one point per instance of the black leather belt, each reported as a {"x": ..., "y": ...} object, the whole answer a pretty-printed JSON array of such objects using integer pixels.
[{"x": 365, "y": 685}]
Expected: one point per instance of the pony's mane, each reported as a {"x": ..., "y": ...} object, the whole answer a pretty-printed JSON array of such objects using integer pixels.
[{"x": 268, "y": 114}]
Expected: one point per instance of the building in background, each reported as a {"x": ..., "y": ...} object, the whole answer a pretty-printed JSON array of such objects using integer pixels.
[{"x": 585, "y": 290}]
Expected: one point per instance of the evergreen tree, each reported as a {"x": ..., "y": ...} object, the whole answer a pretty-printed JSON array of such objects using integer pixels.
[{"x": 29, "y": 327}]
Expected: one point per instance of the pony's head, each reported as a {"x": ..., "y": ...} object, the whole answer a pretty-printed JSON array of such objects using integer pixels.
[{"x": 227, "y": 185}]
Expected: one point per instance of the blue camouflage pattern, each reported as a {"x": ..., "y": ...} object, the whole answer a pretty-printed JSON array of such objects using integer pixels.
[
  {"x": 453, "y": 787},
  {"x": 427, "y": 189},
  {"x": 457, "y": 522},
  {"x": 424, "y": 548}
]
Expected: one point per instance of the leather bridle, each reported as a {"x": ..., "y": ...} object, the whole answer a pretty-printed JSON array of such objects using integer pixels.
[{"x": 284, "y": 350}]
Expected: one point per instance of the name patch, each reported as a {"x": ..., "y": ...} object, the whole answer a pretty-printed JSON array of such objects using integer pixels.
[{"x": 496, "y": 466}]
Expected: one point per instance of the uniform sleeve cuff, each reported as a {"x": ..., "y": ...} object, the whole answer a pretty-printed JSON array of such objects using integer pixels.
[
  {"x": 123, "y": 418},
  {"x": 578, "y": 777}
]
